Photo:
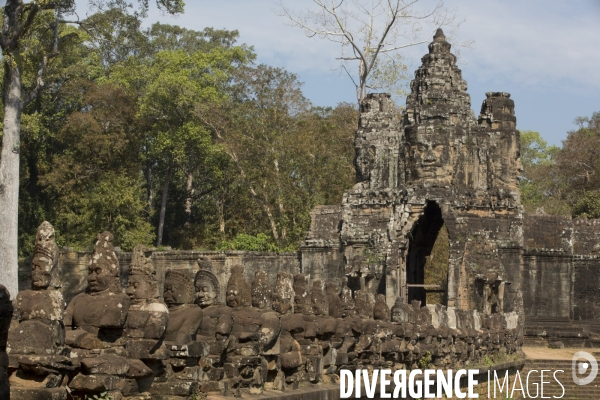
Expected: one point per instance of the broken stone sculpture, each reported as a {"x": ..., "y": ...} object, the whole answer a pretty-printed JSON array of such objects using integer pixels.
[
  {"x": 38, "y": 311},
  {"x": 364, "y": 303},
  {"x": 493, "y": 293},
  {"x": 37, "y": 336},
  {"x": 333, "y": 299},
  {"x": 302, "y": 301},
  {"x": 148, "y": 316},
  {"x": 400, "y": 311},
  {"x": 261, "y": 291},
  {"x": 347, "y": 302},
  {"x": 253, "y": 334},
  {"x": 184, "y": 315},
  {"x": 381, "y": 311},
  {"x": 283, "y": 295},
  {"x": 103, "y": 305},
  {"x": 318, "y": 299}
]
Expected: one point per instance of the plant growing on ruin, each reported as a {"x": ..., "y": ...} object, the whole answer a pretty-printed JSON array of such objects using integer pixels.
[
  {"x": 425, "y": 361},
  {"x": 101, "y": 396},
  {"x": 488, "y": 361}
]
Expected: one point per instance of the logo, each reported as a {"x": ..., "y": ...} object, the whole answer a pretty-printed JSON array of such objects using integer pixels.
[{"x": 580, "y": 368}]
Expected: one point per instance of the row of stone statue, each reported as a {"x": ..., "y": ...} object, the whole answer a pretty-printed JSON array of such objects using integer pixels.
[{"x": 135, "y": 343}]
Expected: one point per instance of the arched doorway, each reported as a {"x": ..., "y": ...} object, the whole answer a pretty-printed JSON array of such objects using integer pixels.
[{"x": 426, "y": 269}]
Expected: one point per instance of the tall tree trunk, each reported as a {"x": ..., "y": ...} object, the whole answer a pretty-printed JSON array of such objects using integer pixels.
[
  {"x": 149, "y": 191},
  {"x": 188, "y": 201},
  {"x": 163, "y": 203},
  {"x": 9, "y": 179},
  {"x": 221, "y": 212},
  {"x": 263, "y": 204},
  {"x": 280, "y": 202}
]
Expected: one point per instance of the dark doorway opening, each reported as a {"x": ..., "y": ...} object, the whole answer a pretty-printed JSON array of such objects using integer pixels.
[{"x": 423, "y": 238}]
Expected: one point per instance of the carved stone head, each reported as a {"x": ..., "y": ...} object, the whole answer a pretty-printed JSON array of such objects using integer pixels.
[
  {"x": 238, "y": 291},
  {"x": 302, "y": 303},
  {"x": 381, "y": 311},
  {"x": 206, "y": 285},
  {"x": 347, "y": 302},
  {"x": 261, "y": 291},
  {"x": 429, "y": 154},
  {"x": 141, "y": 284},
  {"x": 333, "y": 298},
  {"x": 44, "y": 266},
  {"x": 178, "y": 288},
  {"x": 400, "y": 311},
  {"x": 319, "y": 300},
  {"x": 104, "y": 266},
  {"x": 283, "y": 295},
  {"x": 364, "y": 302}
]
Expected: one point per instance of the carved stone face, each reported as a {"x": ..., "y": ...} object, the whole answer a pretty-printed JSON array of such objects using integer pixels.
[
  {"x": 364, "y": 162},
  {"x": 99, "y": 278},
  {"x": 430, "y": 158},
  {"x": 400, "y": 311},
  {"x": 138, "y": 288},
  {"x": 234, "y": 296},
  {"x": 41, "y": 271},
  {"x": 175, "y": 292},
  {"x": 205, "y": 293}
]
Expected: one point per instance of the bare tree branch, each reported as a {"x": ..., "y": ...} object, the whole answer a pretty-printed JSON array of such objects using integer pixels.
[{"x": 366, "y": 29}]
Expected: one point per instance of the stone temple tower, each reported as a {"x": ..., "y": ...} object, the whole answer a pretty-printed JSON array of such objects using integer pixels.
[{"x": 434, "y": 167}]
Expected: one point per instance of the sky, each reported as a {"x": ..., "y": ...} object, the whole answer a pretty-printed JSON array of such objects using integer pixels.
[{"x": 545, "y": 53}]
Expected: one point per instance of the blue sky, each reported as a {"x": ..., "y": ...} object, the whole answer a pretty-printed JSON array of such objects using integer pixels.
[{"x": 544, "y": 52}]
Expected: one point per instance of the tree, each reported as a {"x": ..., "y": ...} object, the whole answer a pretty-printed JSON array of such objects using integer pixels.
[
  {"x": 171, "y": 84},
  {"x": 93, "y": 174},
  {"x": 368, "y": 30},
  {"x": 20, "y": 20},
  {"x": 289, "y": 156},
  {"x": 563, "y": 181},
  {"x": 542, "y": 185}
]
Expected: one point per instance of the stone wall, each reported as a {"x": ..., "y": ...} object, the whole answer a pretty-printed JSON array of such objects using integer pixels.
[
  {"x": 561, "y": 267},
  {"x": 74, "y": 266}
]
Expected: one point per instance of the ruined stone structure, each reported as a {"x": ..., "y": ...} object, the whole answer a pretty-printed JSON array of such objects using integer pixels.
[
  {"x": 435, "y": 165},
  {"x": 355, "y": 296}
]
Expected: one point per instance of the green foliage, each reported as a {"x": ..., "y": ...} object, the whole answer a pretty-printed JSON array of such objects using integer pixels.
[
  {"x": 542, "y": 184},
  {"x": 562, "y": 181},
  {"x": 116, "y": 204},
  {"x": 425, "y": 361},
  {"x": 588, "y": 205},
  {"x": 101, "y": 396},
  {"x": 242, "y": 241},
  {"x": 488, "y": 361},
  {"x": 245, "y": 152},
  {"x": 535, "y": 150}
]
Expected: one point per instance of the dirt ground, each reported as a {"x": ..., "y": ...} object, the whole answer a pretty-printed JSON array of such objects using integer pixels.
[{"x": 544, "y": 353}]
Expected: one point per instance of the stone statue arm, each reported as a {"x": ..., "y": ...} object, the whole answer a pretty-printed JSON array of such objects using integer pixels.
[
  {"x": 156, "y": 325},
  {"x": 68, "y": 314},
  {"x": 225, "y": 322}
]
